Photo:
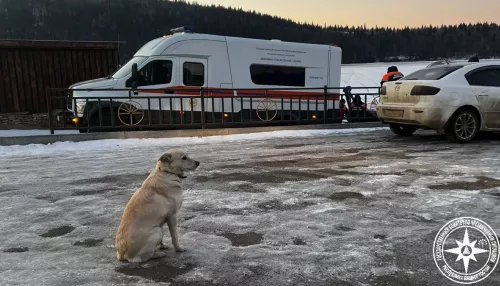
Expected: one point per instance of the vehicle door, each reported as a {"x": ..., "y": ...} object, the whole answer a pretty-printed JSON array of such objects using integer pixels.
[
  {"x": 485, "y": 84},
  {"x": 157, "y": 78},
  {"x": 193, "y": 74}
]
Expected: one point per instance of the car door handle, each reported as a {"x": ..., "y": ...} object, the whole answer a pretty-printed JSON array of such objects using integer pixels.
[{"x": 482, "y": 94}]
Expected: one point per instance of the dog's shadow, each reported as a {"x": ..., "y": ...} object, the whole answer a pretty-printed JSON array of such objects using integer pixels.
[{"x": 163, "y": 269}]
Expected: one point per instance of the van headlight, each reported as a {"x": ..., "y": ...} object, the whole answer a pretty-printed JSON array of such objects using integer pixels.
[{"x": 80, "y": 107}]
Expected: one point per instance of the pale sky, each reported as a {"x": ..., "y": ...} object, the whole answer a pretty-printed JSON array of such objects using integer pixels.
[{"x": 382, "y": 13}]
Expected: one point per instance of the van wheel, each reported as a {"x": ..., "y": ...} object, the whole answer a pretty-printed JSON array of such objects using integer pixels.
[
  {"x": 403, "y": 130},
  {"x": 463, "y": 126}
]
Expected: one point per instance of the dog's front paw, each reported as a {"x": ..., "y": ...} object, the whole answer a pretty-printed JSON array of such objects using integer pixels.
[
  {"x": 164, "y": 246},
  {"x": 179, "y": 249}
]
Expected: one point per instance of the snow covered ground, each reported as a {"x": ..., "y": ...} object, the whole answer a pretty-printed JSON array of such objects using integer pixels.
[
  {"x": 324, "y": 207},
  {"x": 32, "y": 132}
]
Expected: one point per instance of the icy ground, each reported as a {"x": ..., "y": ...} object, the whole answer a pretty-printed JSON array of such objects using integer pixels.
[{"x": 281, "y": 208}]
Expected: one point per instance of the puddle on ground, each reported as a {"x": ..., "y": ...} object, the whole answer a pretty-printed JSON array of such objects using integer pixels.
[
  {"x": 60, "y": 231},
  {"x": 16, "y": 250},
  {"x": 158, "y": 272},
  {"x": 90, "y": 242},
  {"x": 243, "y": 239},
  {"x": 342, "y": 196},
  {"x": 482, "y": 183}
]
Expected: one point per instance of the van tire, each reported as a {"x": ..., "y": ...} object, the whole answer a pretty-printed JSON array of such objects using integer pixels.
[
  {"x": 466, "y": 134},
  {"x": 403, "y": 130}
]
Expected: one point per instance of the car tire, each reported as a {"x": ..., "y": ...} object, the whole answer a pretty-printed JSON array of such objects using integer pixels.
[
  {"x": 463, "y": 126},
  {"x": 403, "y": 130}
]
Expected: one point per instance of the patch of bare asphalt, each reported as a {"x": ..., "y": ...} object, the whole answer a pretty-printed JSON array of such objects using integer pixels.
[
  {"x": 233, "y": 166},
  {"x": 299, "y": 162},
  {"x": 312, "y": 162},
  {"x": 5, "y": 189},
  {"x": 16, "y": 249},
  {"x": 243, "y": 239},
  {"x": 290, "y": 146},
  {"x": 96, "y": 191},
  {"x": 344, "y": 228},
  {"x": 47, "y": 198},
  {"x": 246, "y": 188},
  {"x": 278, "y": 205},
  {"x": 342, "y": 196},
  {"x": 278, "y": 176},
  {"x": 60, "y": 231},
  {"x": 481, "y": 183},
  {"x": 161, "y": 270},
  {"x": 119, "y": 180},
  {"x": 299, "y": 241},
  {"x": 345, "y": 167},
  {"x": 288, "y": 154},
  {"x": 281, "y": 175}
]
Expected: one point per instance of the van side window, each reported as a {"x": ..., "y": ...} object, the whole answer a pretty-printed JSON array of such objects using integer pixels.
[
  {"x": 488, "y": 77},
  {"x": 278, "y": 75},
  {"x": 155, "y": 72},
  {"x": 193, "y": 74}
]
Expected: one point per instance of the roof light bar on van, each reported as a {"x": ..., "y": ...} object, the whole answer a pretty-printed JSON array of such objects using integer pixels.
[
  {"x": 183, "y": 29},
  {"x": 424, "y": 90}
]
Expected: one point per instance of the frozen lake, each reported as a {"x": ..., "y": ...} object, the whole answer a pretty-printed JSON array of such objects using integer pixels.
[{"x": 326, "y": 207}]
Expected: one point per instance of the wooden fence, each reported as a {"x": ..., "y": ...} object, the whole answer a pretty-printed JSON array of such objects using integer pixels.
[{"x": 29, "y": 68}]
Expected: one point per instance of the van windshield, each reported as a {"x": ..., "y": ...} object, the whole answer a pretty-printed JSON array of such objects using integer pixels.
[
  {"x": 127, "y": 68},
  {"x": 432, "y": 73}
]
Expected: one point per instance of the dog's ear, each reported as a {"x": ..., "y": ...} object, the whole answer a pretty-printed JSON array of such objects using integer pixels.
[{"x": 166, "y": 158}]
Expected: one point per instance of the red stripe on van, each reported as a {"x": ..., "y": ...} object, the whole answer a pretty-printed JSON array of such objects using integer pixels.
[{"x": 274, "y": 94}]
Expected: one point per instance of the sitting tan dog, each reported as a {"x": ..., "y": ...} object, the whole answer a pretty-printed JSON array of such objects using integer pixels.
[{"x": 157, "y": 202}]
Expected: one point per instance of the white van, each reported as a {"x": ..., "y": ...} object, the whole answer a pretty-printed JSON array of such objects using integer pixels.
[{"x": 222, "y": 66}]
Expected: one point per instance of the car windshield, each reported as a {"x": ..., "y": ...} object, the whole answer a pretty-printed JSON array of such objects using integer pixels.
[
  {"x": 127, "y": 68},
  {"x": 432, "y": 73}
]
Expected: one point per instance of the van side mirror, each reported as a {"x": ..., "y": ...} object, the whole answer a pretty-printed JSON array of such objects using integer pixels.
[
  {"x": 134, "y": 70},
  {"x": 134, "y": 85}
]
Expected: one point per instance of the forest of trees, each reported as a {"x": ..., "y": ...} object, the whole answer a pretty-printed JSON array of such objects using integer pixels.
[{"x": 138, "y": 21}]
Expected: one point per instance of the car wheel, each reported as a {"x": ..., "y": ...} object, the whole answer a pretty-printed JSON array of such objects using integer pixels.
[
  {"x": 403, "y": 130},
  {"x": 463, "y": 126}
]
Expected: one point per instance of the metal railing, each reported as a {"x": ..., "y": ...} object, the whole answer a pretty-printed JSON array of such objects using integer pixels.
[{"x": 90, "y": 110}]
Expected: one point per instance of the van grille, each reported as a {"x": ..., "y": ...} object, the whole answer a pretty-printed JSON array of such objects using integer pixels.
[{"x": 69, "y": 104}]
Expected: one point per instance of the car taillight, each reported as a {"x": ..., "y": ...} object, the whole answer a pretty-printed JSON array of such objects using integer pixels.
[
  {"x": 383, "y": 90},
  {"x": 424, "y": 90}
]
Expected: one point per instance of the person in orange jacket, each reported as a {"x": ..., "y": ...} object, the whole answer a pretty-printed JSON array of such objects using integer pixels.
[{"x": 392, "y": 75}]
